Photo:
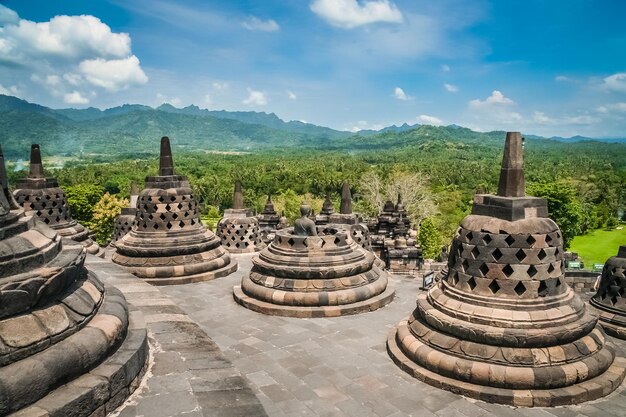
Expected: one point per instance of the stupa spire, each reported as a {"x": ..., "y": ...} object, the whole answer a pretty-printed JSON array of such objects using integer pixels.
[
  {"x": 346, "y": 199},
  {"x": 36, "y": 167},
  {"x": 238, "y": 196},
  {"x": 166, "y": 163},
  {"x": 512, "y": 171}
]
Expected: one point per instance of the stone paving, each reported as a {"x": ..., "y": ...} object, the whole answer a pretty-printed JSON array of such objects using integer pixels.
[{"x": 337, "y": 366}]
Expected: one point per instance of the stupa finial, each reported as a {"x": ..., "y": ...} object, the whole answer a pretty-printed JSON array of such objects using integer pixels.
[
  {"x": 36, "y": 167},
  {"x": 512, "y": 172},
  {"x": 238, "y": 196},
  {"x": 346, "y": 199},
  {"x": 166, "y": 163}
]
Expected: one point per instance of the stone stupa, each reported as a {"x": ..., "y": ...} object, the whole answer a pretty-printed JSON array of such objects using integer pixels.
[
  {"x": 268, "y": 221},
  {"x": 168, "y": 243},
  {"x": 41, "y": 196},
  {"x": 239, "y": 228},
  {"x": 124, "y": 222},
  {"x": 313, "y": 271},
  {"x": 502, "y": 325},
  {"x": 61, "y": 329},
  {"x": 610, "y": 300},
  {"x": 327, "y": 210}
]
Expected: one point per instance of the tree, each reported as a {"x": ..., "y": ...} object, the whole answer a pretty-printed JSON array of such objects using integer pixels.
[
  {"x": 104, "y": 213},
  {"x": 429, "y": 239},
  {"x": 82, "y": 199}
]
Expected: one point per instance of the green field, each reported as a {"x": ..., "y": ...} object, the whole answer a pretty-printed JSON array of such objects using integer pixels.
[{"x": 599, "y": 245}]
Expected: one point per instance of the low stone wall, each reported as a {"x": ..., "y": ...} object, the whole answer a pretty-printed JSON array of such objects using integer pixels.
[{"x": 581, "y": 281}]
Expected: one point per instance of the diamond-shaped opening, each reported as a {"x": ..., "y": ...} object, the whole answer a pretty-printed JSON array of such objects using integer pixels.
[
  {"x": 494, "y": 287},
  {"x": 173, "y": 198},
  {"x": 169, "y": 225},
  {"x": 174, "y": 216},
  {"x": 161, "y": 199},
  {"x": 472, "y": 283},
  {"x": 192, "y": 222},
  {"x": 548, "y": 239},
  {"x": 508, "y": 270},
  {"x": 465, "y": 265},
  {"x": 531, "y": 240},
  {"x": 454, "y": 279},
  {"x": 181, "y": 224},
  {"x": 558, "y": 282},
  {"x": 497, "y": 254},
  {"x": 613, "y": 300},
  {"x": 520, "y": 289},
  {"x": 509, "y": 240},
  {"x": 475, "y": 252},
  {"x": 155, "y": 226},
  {"x": 484, "y": 269},
  {"x": 556, "y": 253},
  {"x": 291, "y": 242},
  {"x": 162, "y": 216},
  {"x": 520, "y": 255},
  {"x": 542, "y": 255},
  {"x": 487, "y": 238},
  {"x": 180, "y": 206},
  {"x": 337, "y": 240},
  {"x": 532, "y": 271},
  {"x": 470, "y": 236},
  {"x": 550, "y": 268},
  {"x": 543, "y": 289},
  {"x": 168, "y": 207}
]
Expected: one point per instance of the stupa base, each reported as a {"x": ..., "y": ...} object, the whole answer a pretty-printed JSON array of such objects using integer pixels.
[
  {"x": 587, "y": 390},
  {"x": 264, "y": 307},
  {"x": 188, "y": 279}
]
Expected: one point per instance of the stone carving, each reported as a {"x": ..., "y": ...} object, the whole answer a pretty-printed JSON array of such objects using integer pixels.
[
  {"x": 124, "y": 222},
  {"x": 168, "y": 243},
  {"x": 314, "y": 274},
  {"x": 502, "y": 325},
  {"x": 57, "y": 320},
  {"x": 327, "y": 210},
  {"x": 609, "y": 300},
  {"x": 41, "y": 196},
  {"x": 304, "y": 226},
  {"x": 239, "y": 229},
  {"x": 268, "y": 221}
]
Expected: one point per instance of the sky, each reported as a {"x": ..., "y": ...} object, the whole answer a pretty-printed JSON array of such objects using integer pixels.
[{"x": 540, "y": 67}]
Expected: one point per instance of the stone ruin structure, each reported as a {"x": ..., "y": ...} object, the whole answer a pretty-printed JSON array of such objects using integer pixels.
[
  {"x": 327, "y": 210},
  {"x": 501, "y": 324},
  {"x": 610, "y": 300},
  {"x": 42, "y": 197},
  {"x": 61, "y": 329},
  {"x": 124, "y": 222},
  {"x": 392, "y": 240},
  {"x": 313, "y": 271},
  {"x": 239, "y": 228},
  {"x": 168, "y": 244},
  {"x": 268, "y": 221}
]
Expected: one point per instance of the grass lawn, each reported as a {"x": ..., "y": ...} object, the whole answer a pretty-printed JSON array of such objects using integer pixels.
[{"x": 599, "y": 245}]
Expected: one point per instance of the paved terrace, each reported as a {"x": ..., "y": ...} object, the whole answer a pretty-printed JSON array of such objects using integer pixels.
[{"x": 242, "y": 363}]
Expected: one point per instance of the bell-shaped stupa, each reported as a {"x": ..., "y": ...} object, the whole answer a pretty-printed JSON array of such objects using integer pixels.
[
  {"x": 168, "y": 243},
  {"x": 60, "y": 327},
  {"x": 268, "y": 221},
  {"x": 314, "y": 271},
  {"x": 124, "y": 222},
  {"x": 502, "y": 325},
  {"x": 610, "y": 299},
  {"x": 239, "y": 228},
  {"x": 41, "y": 196}
]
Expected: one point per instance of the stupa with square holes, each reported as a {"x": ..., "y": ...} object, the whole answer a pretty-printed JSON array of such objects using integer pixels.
[
  {"x": 61, "y": 329},
  {"x": 168, "y": 243},
  {"x": 124, "y": 222},
  {"x": 502, "y": 325},
  {"x": 610, "y": 300},
  {"x": 314, "y": 271},
  {"x": 239, "y": 228},
  {"x": 42, "y": 197}
]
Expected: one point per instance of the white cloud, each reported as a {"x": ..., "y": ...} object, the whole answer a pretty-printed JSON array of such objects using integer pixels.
[
  {"x": 399, "y": 94},
  {"x": 220, "y": 85},
  {"x": 9, "y": 91},
  {"x": 75, "y": 98},
  {"x": 8, "y": 16},
  {"x": 254, "y": 23},
  {"x": 445, "y": 68},
  {"x": 291, "y": 95},
  {"x": 615, "y": 82},
  {"x": 541, "y": 118},
  {"x": 451, "y": 88},
  {"x": 113, "y": 74},
  {"x": 363, "y": 125},
  {"x": 255, "y": 98},
  {"x": 351, "y": 13},
  {"x": 564, "y": 79},
  {"x": 614, "y": 107},
  {"x": 208, "y": 99},
  {"x": 496, "y": 98},
  {"x": 430, "y": 120}
]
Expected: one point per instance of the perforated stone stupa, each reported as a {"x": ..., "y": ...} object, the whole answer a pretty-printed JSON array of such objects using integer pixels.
[
  {"x": 41, "y": 196},
  {"x": 610, "y": 300},
  {"x": 268, "y": 221},
  {"x": 124, "y": 222},
  {"x": 239, "y": 228},
  {"x": 314, "y": 271},
  {"x": 502, "y": 325},
  {"x": 168, "y": 243},
  {"x": 60, "y": 328}
]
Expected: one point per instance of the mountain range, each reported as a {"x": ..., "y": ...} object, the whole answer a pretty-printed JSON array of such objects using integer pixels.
[{"x": 133, "y": 129}]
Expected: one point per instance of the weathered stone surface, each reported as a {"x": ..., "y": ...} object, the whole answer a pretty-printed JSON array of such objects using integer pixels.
[
  {"x": 268, "y": 221},
  {"x": 502, "y": 325},
  {"x": 239, "y": 229},
  {"x": 168, "y": 243},
  {"x": 610, "y": 300}
]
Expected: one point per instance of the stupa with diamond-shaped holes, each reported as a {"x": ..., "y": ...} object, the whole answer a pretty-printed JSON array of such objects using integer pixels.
[
  {"x": 502, "y": 325},
  {"x": 124, "y": 222},
  {"x": 610, "y": 299},
  {"x": 239, "y": 228},
  {"x": 168, "y": 243},
  {"x": 42, "y": 197}
]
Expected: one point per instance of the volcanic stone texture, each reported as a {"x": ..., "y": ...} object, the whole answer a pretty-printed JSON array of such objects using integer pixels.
[
  {"x": 240, "y": 234},
  {"x": 609, "y": 299},
  {"x": 314, "y": 276}
]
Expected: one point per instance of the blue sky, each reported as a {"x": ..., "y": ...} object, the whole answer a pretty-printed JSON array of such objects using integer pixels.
[{"x": 543, "y": 67}]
